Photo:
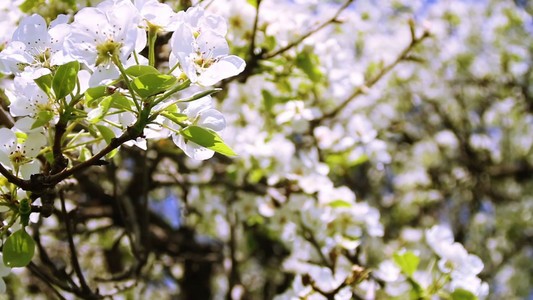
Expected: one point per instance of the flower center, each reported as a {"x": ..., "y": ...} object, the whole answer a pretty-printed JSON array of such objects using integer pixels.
[
  {"x": 18, "y": 158},
  {"x": 106, "y": 51},
  {"x": 43, "y": 58}
]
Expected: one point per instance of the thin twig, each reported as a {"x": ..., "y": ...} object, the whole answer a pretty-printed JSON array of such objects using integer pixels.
[
  {"x": 37, "y": 272},
  {"x": 308, "y": 235},
  {"x": 254, "y": 30},
  {"x": 61, "y": 278},
  {"x": 308, "y": 34},
  {"x": 233, "y": 276},
  {"x": 144, "y": 216},
  {"x": 372, "y": 81},
  {"x": 73, "y": 253}
]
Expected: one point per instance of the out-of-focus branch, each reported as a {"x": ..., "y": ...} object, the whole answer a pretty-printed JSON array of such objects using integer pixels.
[
  {"x": 308, "y": 235},
  {"x": 308, "y": 34},
  {"x": 232, "y": 218},
  {"x": 373, "y": 80},
  {"x": 73, "y": 253},
  {"x": 44, "y": 278},
  {"x": 254, "y": 30},
  {"x": 5, "y": 118},
  {"x": 252, "y": 62}
]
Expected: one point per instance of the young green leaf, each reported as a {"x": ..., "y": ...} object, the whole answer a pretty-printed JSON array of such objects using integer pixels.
[
  {"x": 308, "y": 62},
  {"x": 106, "y": 133},
  {"x": 207, "y": 138},
  {"x": 152, "y": 84},
  {"x": 65, "y": 79},
  {"x": 45, "y": 83},
  {"x": 28, "y": 5},
  {"x": 136, "y": 71},
  {"x": 94, "y": 93},
  {"x": 268, "y": 100},
  {"x": 43, "y": 117},
  {"x": 121, "y": 102},
  {"x": 18, "y": 249},
  {"x": 340, "y": 204},
  {"x": 175, "y": 117},
  {"x": 96, "y": 115},
  {"x": 407, "y": 261},
  {"x": 460, "y": 294},
  {"x": 252, "y": 2}
]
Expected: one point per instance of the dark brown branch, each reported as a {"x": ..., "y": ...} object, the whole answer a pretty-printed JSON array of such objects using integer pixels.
[
  {"x": 254, "y": 30},
  {"x": 5, "y": 118},
  {"x": 12, "y": 178},
  {"x": 60, "y": 278},
  {"x": 357, "y": 275},
  {"x": 44, "y": 278},
  {"x": 233, "y": 278},
  {"x": 60, "y": 162},
  {"x": 72, "y": 247},
  {"x": 130, "y": 134},
  {"x": 41, "y": 182}
]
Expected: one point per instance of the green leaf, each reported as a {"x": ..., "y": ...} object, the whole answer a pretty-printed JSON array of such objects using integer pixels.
[
  {"x": 136, "y": 71},
  {"x": 252, "y": 3},
  {"x": 407, "y": 261},
  {"x": 120, "y": 101},
  {"x": 268, "y": 100},
  {"x": 85, "y": 154},
  {"x": 43, "y": 117},
  {"x": 339, "y": 203},
  {"x": 106, "y": 133},
  {"x": 460, "y": 294},
  {"x": 28, "y": 5},
  {"x": 308, "y": 62},
  {"x": 359, "y": 160},
  {"x": 373, "y": 69},
  {"x": 116, "y": 101},
  {"x": 70, "y": 3},
  {"x": 18, "y": 249},
  {"x": 270, "y": 42},
  {"x": 45, "y": 83},
  {"x": 207, "y": 138},
  {"x": 94, "y": 93},
  {"x": 152, "y": 84},
  {"x": 255, "y": 175},
  {"x": 96, "y": 115},
  {"x": 49, "y": 156},
  {"x": 175, "y": 117},
  {"x": 65, "y": 79}
]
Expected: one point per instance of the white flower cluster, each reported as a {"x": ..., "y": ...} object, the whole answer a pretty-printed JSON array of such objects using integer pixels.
[
  {"x": 104, "y": 39},
  {"x": 456, "y": 261}
]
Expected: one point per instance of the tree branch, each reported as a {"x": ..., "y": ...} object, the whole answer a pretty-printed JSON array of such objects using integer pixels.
[
  {"x": 72, "y": 247},
  {"x": 372, "y": 81},
  {"x": 308, "y": 34}
]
